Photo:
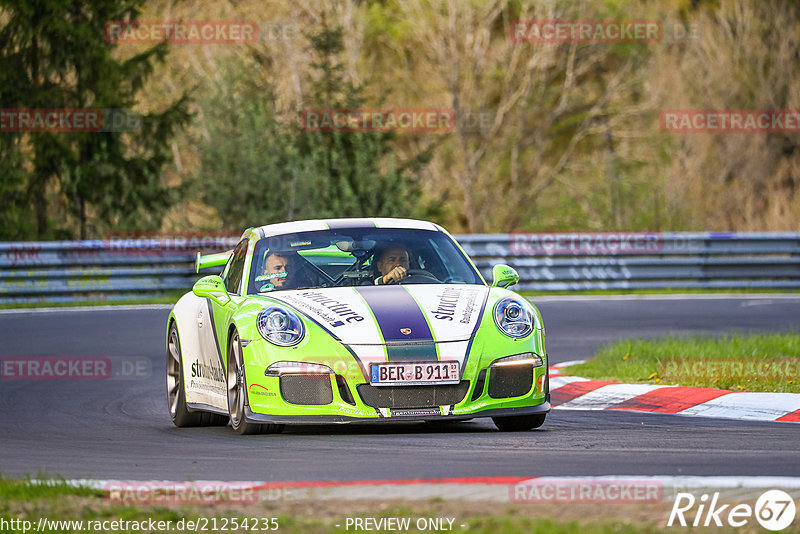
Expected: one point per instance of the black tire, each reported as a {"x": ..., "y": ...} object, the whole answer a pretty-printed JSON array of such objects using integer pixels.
[
  {"x": 237, "y": 393},
  {"x": 518, "y": 423},
  {"x": 176, "y": 391}
]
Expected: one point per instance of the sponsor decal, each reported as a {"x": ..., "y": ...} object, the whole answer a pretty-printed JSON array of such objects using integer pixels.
[
  {"x": 469, "y": 409},
  {"x": 469, "y": 307},
  {"x": 342, "y": 310},
  {"x": 405, "y": 331},
  {"x": 258, "y": 389},
  {"x": 270, "y": 276},
  {"x": 448, "y": 300},
  {"x": 411, "y": 412},
  {"x": 209, "y": 372},
  {"x": 204, "y": 385}
]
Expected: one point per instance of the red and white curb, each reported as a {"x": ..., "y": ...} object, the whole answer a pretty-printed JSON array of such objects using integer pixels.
[{"x": 576, "y": 393}]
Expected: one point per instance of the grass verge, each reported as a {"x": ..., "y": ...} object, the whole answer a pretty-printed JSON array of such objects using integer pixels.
[{"x": 739, "y": 362}]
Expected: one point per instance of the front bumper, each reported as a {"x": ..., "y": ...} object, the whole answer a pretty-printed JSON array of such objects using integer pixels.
[
  {"x": 341, "y": 419},
  {"x": 342, "y": 402}
]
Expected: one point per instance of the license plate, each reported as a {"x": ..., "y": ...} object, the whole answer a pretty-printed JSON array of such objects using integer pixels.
[{"x": 414, "y": 373}]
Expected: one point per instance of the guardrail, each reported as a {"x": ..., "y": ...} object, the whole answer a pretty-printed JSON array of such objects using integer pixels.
[{"x": 70, "y": 271}]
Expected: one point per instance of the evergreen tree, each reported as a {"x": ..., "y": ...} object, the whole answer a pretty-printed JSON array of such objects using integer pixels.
[
  {"x": 54, "y": 55},
  {"x": 258, "y": 170}
]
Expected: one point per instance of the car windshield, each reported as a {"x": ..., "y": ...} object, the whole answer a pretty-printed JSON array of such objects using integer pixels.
[{"x": 351, "y": 257}]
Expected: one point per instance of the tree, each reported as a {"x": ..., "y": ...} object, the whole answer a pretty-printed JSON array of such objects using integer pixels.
[
  {"x": 54, "y": 55},
  {"x": 258, "y": 168}
]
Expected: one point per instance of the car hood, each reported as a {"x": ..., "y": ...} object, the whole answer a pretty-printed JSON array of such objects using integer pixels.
[{"x": 392, "y": 314}]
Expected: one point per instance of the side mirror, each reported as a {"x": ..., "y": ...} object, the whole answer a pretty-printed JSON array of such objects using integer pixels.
[
  {"x": 212, "y": 287},
  {"x": 504, "y": 276}
]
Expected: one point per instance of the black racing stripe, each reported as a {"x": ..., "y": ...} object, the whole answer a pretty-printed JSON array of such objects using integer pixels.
[{"x": 403, "y": 325}]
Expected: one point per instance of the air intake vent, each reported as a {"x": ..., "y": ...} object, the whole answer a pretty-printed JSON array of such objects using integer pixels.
[
  {"x": 412, "y": 396},
  {"x": 479, "y": 385},
  {"x": 510, "y": 381},
  {"x": 344, "y": 391},
  {"x": 310, "y": 389}
]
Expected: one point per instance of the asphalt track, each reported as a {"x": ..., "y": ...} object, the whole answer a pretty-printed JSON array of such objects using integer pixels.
[{"x": 120, "y": 428}]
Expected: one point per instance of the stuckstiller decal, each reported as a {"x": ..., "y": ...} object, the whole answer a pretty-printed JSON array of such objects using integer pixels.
[
  {"x": 339, "y": 310},
  {"x": 201, "y": 370},
  {"x": 453, "y": 310},
  {"x": 448, "y": 300}
]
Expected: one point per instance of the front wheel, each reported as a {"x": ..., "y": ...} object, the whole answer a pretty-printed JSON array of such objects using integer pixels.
[
  {"x": 237, "y": 392},
  {"x": 518, "y": 423}
]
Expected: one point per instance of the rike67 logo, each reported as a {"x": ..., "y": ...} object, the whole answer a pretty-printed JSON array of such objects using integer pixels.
[{"x": 774, "y": 510}]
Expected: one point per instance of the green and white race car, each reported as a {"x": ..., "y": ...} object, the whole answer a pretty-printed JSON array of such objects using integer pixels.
[{"x": 353, "y": 320}]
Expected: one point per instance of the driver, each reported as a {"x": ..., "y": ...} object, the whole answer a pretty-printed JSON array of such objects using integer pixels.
[{"x": 393, "y": 264}]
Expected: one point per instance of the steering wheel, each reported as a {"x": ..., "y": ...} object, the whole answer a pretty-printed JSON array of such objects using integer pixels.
[{"x": 411, "y": 273}]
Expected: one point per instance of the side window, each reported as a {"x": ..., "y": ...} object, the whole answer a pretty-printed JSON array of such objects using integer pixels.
[{"x": 233, "y": 278}]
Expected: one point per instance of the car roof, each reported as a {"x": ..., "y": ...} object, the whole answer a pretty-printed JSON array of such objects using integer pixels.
[{"x": 335, "y": 224}]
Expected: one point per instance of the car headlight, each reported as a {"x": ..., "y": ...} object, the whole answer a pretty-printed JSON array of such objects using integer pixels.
[
  {"x": 513, "y": 318},
  {"x": 280, "y": 326}
]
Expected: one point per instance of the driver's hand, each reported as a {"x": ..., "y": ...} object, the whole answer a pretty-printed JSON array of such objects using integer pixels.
[{"x": 395, "y": 275}]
